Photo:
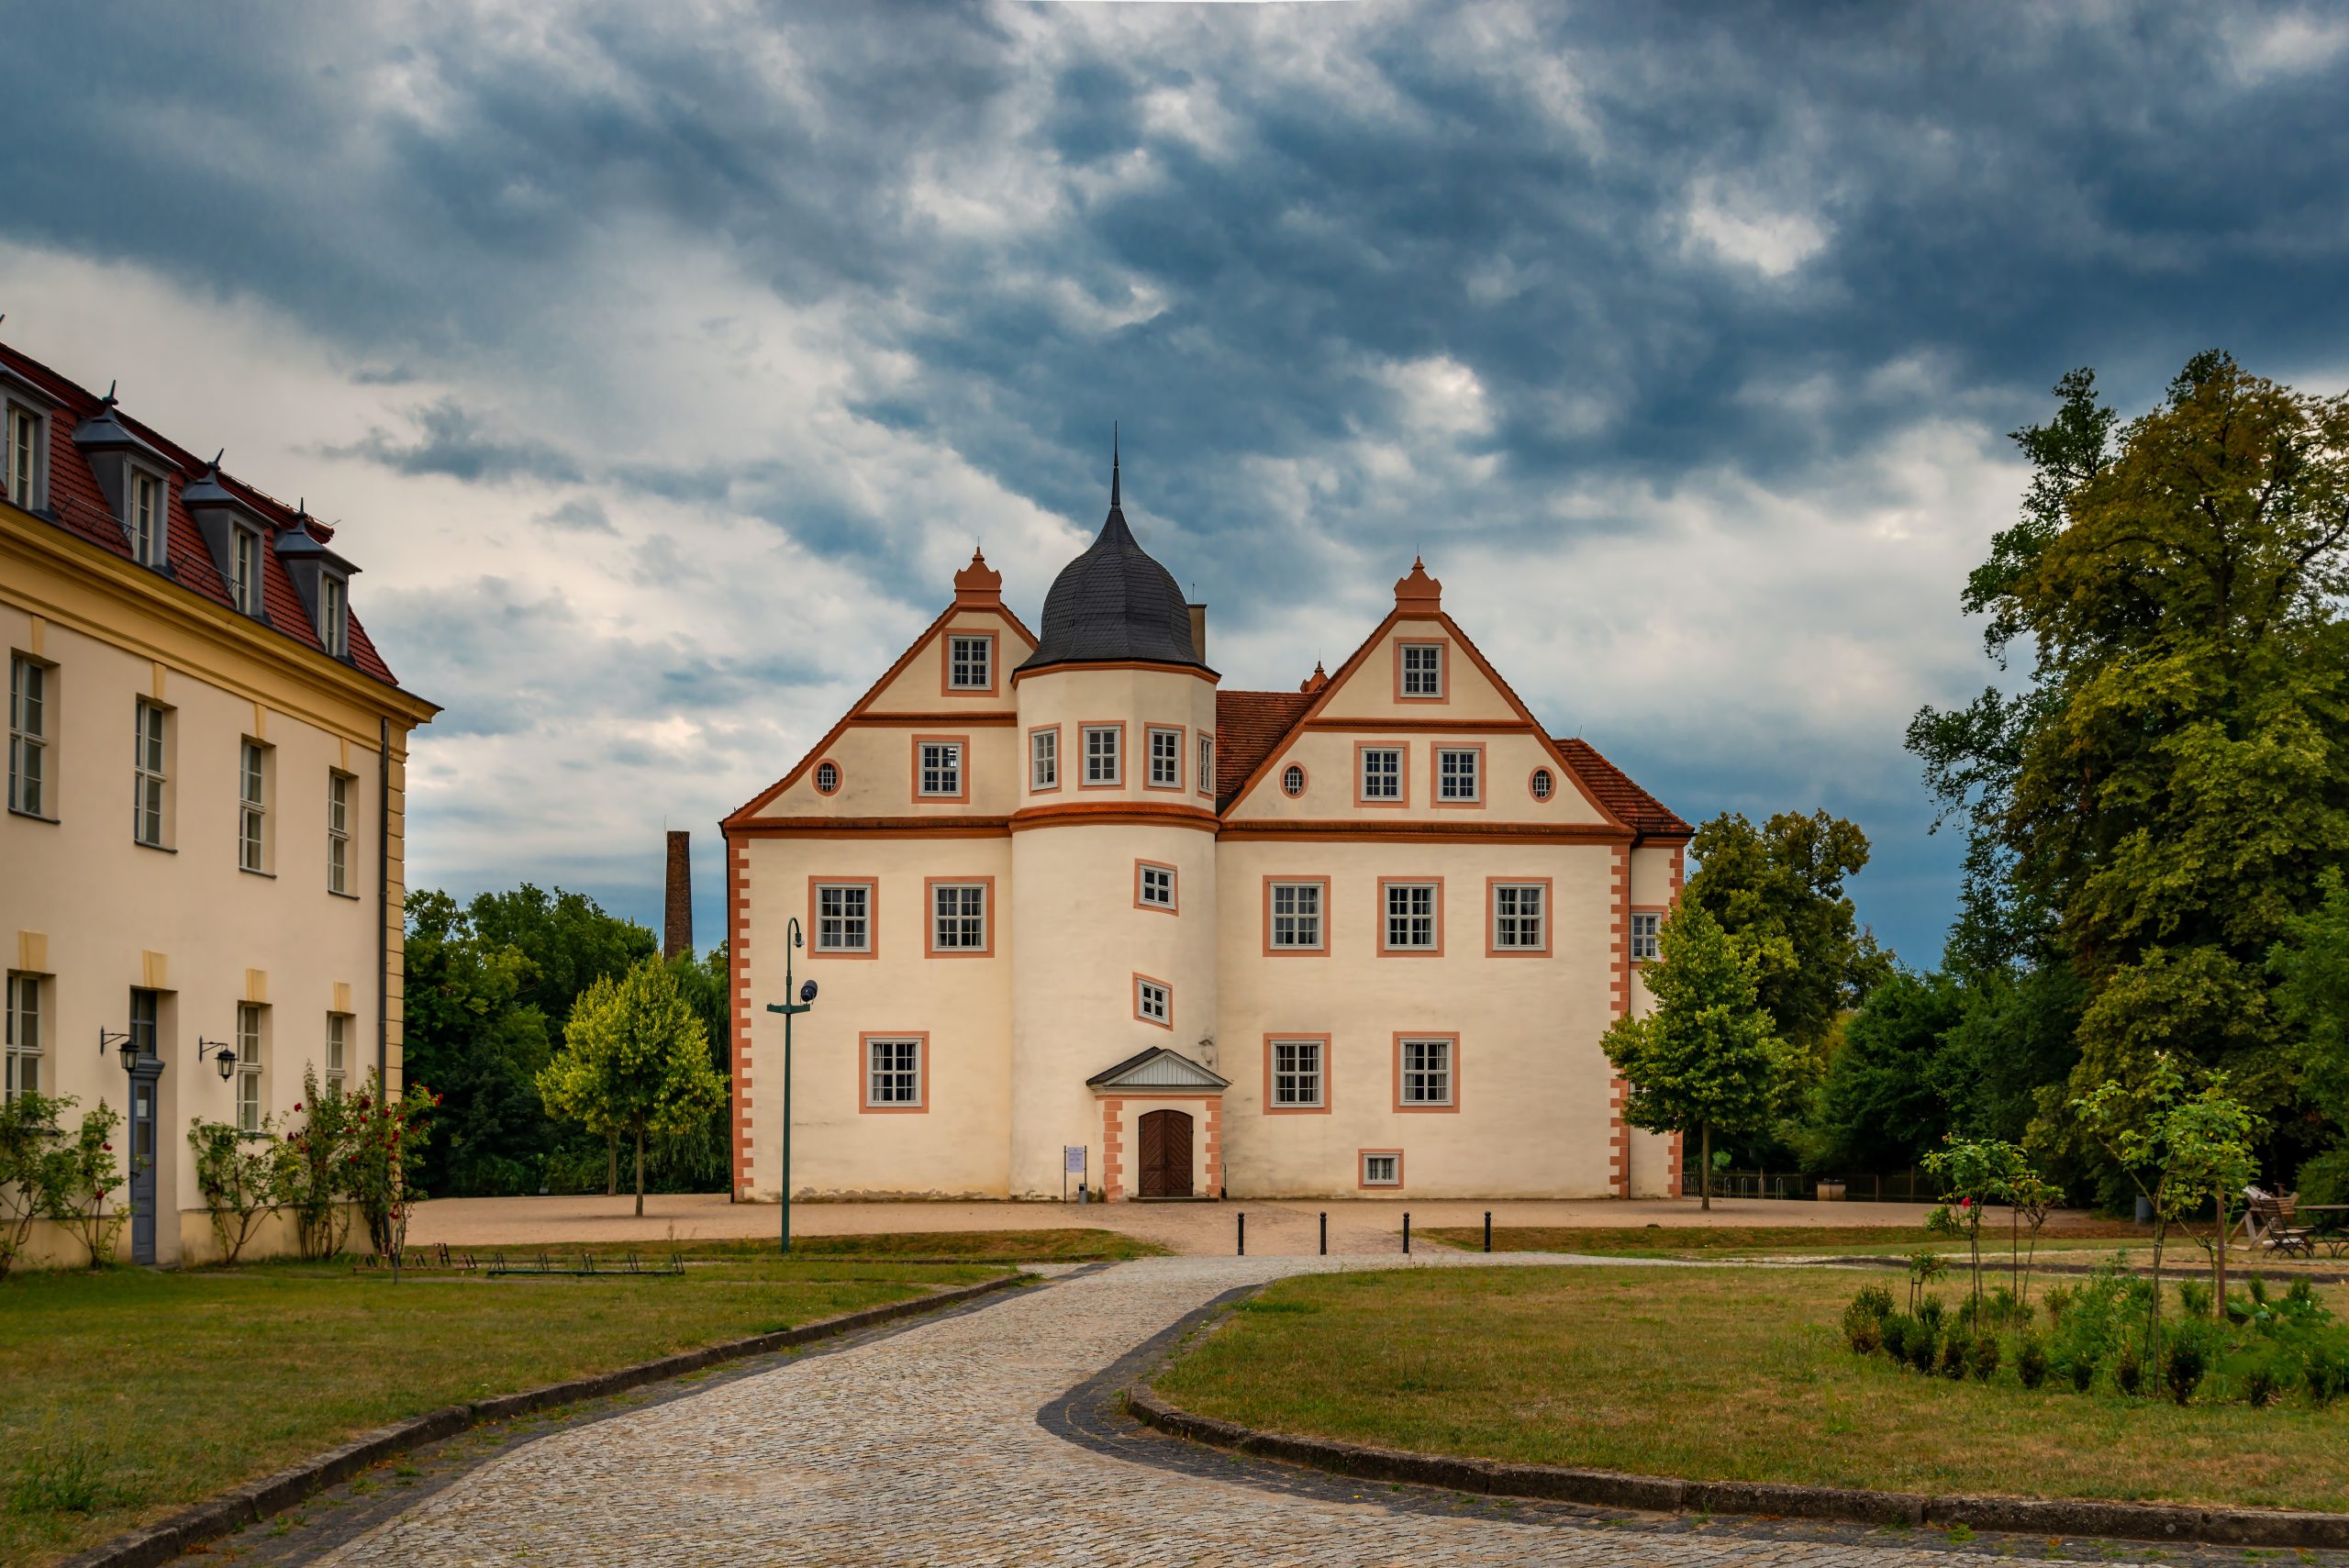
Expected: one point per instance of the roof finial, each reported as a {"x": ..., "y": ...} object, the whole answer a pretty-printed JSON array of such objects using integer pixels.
[
  {"x": 109, "y": 400},
  {"x": 1113, "y": 465}
]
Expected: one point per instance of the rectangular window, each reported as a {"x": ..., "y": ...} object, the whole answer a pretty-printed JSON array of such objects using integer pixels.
[
  {"x": 334, "y": 616},
  {"x": 1044, "y": 758},
  {"x": 1101, "y": 763},
  {"x": 1382, "y": 773},
  {"x": 1154, "y": 886},
  {"x": 149, "y": 783},
  {"x": 958, "y": 916},
  {"x": 249, "y": 1030},
  {"x": 253, "y": 806},
  {"x": 23, "y": 457},
  {"x": 28, "y": 736},
  {"x": 1297, "y": 1074},
  {"x": 1458, "y": 774},
  {"x": 941, "y": 769},
  {"x": 1647, "y": 936},
  {"x": 1293, "y": 913},
  {"x": 1382, "y": 1170},
  {"x": 1423, "y": 669},
  {"x": 1207, "y": 764},
  {"x": 1413, "y": 911},
  {"x": 147, "y": 525},
  {"x": 843, "y": 917},
  {"x": 244, "y": 576},
  {"x": 893, "y": 1072},
  {"x": 1165, "y": 758},
  {"x": 337, "y": 1051},
  {"x": 1424, "y": 1071},
  {"x": 1520, "y": 917},
  {"x": 338, "y": 832},
  {"x": 143, "y": 1011},
  {"x": 25, "y": 1045},
  {"x": 971, "y": 664},
  {"x": 1153, "y": 1001}
]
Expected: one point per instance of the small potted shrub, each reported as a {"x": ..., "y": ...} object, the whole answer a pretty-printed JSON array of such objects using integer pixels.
[{"x": 2031, "y": 1360}]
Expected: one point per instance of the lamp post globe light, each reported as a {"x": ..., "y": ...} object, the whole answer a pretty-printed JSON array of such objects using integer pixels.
[{"x": 790, "y": 1009}]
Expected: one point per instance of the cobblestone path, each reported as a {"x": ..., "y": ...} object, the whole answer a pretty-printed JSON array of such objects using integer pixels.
[{"x": 926, "y": 1447}]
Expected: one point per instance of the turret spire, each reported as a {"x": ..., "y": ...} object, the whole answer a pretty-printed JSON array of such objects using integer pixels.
[{"x": 1113, "y": 465}]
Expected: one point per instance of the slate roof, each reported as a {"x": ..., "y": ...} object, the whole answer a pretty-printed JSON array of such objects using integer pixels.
[
  {"x": 1113, "y": 603},
  {"x": 78, "y": 505},
  {"x": 1248, "y": 725},
  {"x": 1646, "y": 816}
]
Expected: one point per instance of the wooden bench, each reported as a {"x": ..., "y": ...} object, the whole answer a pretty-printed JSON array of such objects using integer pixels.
[{"x": 2271, "y": 1220}]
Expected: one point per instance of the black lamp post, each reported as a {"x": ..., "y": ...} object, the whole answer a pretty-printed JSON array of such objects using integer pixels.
[{"x": 790, "y": 1010}]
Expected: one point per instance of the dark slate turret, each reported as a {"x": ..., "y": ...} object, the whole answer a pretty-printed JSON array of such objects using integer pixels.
[{"x": 1114, "y": 603}]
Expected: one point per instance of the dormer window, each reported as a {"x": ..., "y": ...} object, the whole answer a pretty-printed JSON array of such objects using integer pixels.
[
  {"x": 21, "y": 464},
  {"x": 334, "y": 616},
  {"x": 150, "y": 525},
  {"x": 244, "y": 571}
]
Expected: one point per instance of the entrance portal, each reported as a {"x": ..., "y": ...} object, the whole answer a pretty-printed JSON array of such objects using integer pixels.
[
  {"x": 1166, "y": 1154},
  {"x": 143, "y": 1161}
]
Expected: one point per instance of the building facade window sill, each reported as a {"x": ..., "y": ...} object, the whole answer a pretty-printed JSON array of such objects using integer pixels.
[{"x": 33, "y": 817}]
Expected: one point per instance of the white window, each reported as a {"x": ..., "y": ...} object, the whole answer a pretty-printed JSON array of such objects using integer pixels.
[
  {"x": 1382, "y": 773},
  {"x": 1154, "y": 884},
  {"x": 843, "y": 917},
  {"x": 1292, "y": 780},
  {"x": 1154, "y": 1001},
  {"x": 1423, "y": 669},
  {"x": 248, "y": 1028},
  {"x": 941, "y": 768},
  {"x": 24, "y": 1035},
  {"x": 893, "y": 1072},
  {"x": 1296, "y": 1073},
  {"x": 253, "y": 806},
  {"x": 1166, "y": 759},
  {"x": 971, "y": 664},
  {"x": 1647, "y": 937},
  {"x": 244, "y": 569},
  {"x": 1101, "y": 754},
  {"x": 24, "y": 457},
  {"x": 1044, "y": 759},
  {"x": 1411, "y": 916},
  {"x": 149, "y": 783},
  {"x": 1456, "y": 775},
  {"x": 1519, "y": 921},
  {"x": 1382, "y": 1170},
  {"x": 957, "y": 917},
  {"x": 334, "y": 616},
  {"x": 1426, "y": 1071},
  {"x": 1542, "y": 784},
  {"x": 150, "y": 532},
  {"x": 1207, "y": 764},
  {"x": 337, "y": 1051},
  {"x": 338, "y": 832},
  {"x": 827, "y": 777},
  {"x": 28, "y": 736},
  {"x": 1296, "y": 915}
]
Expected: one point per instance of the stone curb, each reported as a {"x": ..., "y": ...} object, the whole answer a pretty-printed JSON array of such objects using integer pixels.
[
  {"x": 1664, "y": 1494},
  {"x": 256, "y": 1501}
]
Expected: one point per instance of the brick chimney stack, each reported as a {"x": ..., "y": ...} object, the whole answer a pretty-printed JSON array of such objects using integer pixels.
[{"x": 677, "y": 911}]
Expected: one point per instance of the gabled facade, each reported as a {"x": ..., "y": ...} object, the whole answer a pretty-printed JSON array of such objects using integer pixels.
[{"x": 1062, "y": 890}]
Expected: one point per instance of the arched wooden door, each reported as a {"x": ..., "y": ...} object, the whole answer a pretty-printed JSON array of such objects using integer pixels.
[{"x": 1166, "y": 1154}]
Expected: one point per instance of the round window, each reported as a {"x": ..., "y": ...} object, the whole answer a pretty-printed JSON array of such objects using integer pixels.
[
  {"x": 828, "y": 778},
  {"x": 1542, "y": 784},
  {"x": 1292, "y": 780}
]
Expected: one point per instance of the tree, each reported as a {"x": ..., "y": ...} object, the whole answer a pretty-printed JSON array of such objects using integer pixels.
[
  {"x": 29, "y": 1168},
  {"x": 2310, "y": 962},
  {"x": 1780, "y": 890},
  {"x": 1880, "y": 1104},
  {"x": 635, "y": 1062},
  {"x": 1709, "y": 1058}
]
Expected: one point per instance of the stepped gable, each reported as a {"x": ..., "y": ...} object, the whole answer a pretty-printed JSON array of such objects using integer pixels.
[
  {"x": 1248, "y": 725},
  {"x": 1643, "y": 813},
  {"x": 1114, "y": 604}
]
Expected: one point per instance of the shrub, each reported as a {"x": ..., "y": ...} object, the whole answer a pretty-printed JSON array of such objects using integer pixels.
[
  {"x": 2128, "y": 1371},
  {"x": 310, "y": 1159},
  {"x": 1984, "y": 1357},
  {"x": 2324, "y": 1370},
  {"x": 1874, "y": 1300},
  {"x": 237, "y": 1175},
  {"x": 1953, "y": 1357},
  {"x": 1864, "y": 1329},
  {"x": 30, "y": 1169},
  {"x": 2057, "y": 1300},
  {"x": 2031, "y": 1361},
  {"x": 85, "y": 1177},
  {"x": 2260, "y": 1381},
  {"x": 1929, "y": 1313},
  {"x": 2005, "y": 1308},
  {"x": 2300, "y": 1296},
  {"x": 1895, "y": 1331},
  {"x": 2325, "y": 1179},
  {"x": 2083, "y": 1373},
  {"x": 2187, "y": 1363},
  {"x": 2194, "y": 1296},
  {"x": 1920, "y": 1347},
  {"x": 2257, "y": 1285}
]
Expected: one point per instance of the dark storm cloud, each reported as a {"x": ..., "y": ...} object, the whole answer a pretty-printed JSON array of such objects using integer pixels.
[{"x": 448, "y": 440}]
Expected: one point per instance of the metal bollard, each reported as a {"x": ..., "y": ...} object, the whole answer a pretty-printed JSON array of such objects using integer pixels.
[
  {"x": 1406, "y": 1233},
  {"x": 1243, "y": 1234},
  {"x": 1489, "y": 1231},
  {"x": 1325, "y": 1232}
]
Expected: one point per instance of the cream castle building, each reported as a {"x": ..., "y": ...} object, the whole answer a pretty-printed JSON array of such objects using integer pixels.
[
  {"x": 200, "y": 861},
  {"x": 1063, "y": 891}
]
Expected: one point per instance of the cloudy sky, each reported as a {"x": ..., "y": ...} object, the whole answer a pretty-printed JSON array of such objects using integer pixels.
[{"x": 662, "y": 362}]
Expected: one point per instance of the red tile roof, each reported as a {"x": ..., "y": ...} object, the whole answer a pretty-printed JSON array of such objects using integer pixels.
[
  {"x": 1248, "y": 725},
  {"x": 1646, "y": 816},
  {"x": 78, "y": 505}
]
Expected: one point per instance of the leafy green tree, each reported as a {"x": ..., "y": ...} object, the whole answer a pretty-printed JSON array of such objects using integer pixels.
[
  {"x": 2310, "y": 962},
  {"x": 1879, "y": 1106},
  {"x": 569, "y": 941},
  {"x": 1708, "y": 1056},
  {"x": 1778, "y": 890},
  {"x": 635, "y": 1062}
]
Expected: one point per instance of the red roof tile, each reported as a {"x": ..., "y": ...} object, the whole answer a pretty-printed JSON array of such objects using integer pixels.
[
  {"x": 1248, "y": 725},
  {"x": 78, "y": 505},
  {"x": 1646, "y": 816}
]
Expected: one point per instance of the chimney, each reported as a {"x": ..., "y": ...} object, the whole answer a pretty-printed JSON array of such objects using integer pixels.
[
  {"x": 677, "y": 910},
  {"x": 1198, "y": 632}
]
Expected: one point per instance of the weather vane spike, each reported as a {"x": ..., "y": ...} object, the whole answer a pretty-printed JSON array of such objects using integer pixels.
[
  {"x": 1113, "y": 463},
  {"x": 217, "y": 456},
  {"x": 110, "y": 399}
]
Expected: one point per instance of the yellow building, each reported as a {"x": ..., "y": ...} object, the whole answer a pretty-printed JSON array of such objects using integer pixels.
[
  {"x": 200, "y": 863},
  {"x": 1064, "y": 893}
]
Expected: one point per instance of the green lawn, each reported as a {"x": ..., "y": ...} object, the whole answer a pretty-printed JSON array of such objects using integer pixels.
[
  {"x": 127, "y": 1393},
  {"x": 1715, "y": 1374},
  {"x": 1689, "y": 1241},
  {"x": 1004, "y": 1246}
]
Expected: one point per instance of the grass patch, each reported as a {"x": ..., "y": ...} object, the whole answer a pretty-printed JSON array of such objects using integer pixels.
[
  {"x": 1716, "y": 1375},
  {"x": 993, "y": 1246},
  {"x": 127, "y": 1394},
  {"x": 1722, "y": 1241}
]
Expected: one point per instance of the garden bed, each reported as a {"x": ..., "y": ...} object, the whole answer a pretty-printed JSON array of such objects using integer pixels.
[{"x": 1717, "y": 1375}]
